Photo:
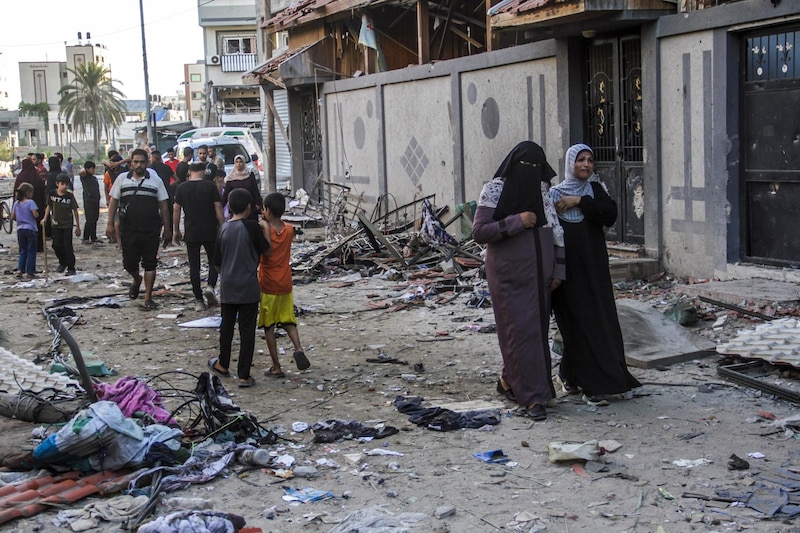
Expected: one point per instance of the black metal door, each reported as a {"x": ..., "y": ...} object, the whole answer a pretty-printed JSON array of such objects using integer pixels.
[
  {"x": 771, "y": 147},
  {"x": 614, "y": 128},
  {"x": 312, "y": 140}
]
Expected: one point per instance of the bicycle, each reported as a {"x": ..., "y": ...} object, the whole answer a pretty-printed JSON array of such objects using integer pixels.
[{"x": 5, "y": 214}]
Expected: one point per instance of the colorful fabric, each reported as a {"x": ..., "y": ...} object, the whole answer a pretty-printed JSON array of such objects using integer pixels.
[
  {"x": 131, "y": 395},
  {"x": 274, "y": 270},
  {"x": 276, "y": 309}
]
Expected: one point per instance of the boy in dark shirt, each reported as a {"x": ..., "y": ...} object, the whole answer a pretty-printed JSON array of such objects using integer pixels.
[
  {"x": 202, "y": 207},
  {"x": 91, "y": 202},
  {"x": 239, "y": 246},
  {"x": 63, "y": 208}
]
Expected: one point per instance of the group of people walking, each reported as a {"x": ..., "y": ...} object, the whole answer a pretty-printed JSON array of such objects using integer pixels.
[
  {"x": 247, "y": 255},
  {"x": 546, "y": 253},
  {"x": 246, "y": 243}
]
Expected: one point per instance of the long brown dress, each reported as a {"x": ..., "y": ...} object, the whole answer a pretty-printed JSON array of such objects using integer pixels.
[{"x": 518, "y": 269}]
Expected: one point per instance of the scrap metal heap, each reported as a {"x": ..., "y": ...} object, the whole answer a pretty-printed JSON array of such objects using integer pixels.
[{"x": 406, "y": 237}]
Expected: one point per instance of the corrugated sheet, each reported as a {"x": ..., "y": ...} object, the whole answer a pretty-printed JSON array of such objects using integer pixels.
[{"x": 283, "y": 157}]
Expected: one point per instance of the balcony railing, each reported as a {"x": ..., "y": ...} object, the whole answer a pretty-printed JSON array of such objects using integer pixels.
[{"x": 238, "y": 62}]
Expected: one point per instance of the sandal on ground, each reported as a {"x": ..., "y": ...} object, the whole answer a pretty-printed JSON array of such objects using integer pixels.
[
  {"x": 508, "y": 393},
  {"x": 212, "y": 365},
  {"x": 270, "y": 374},
  {"x": 567, "y": 387},
  {"x": 247, "y": 382},
  {"x": 150, "y": 305},
  {"x": 133, "y": 292},
  {"x": 301, "y": 360},
  {"x": 536, "y": 412},
  {"x": 597, "y": 400}
]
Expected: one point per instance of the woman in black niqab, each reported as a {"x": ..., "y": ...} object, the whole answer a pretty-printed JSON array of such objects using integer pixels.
[{"x": 524, "y": 169}]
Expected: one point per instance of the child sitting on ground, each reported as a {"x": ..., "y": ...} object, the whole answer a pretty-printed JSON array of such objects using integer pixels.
[
  {"x": 275, "y": 280},
  {"x": 63, "y": 208},
  {"x": 25, "y": 213},
  {"x": 239, "y": 245}
]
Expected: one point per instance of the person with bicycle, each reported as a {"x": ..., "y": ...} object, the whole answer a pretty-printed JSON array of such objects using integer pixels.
[{"x": 29, "y": 175}]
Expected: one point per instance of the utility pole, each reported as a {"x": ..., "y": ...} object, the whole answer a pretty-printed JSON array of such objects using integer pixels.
[
  {"x": 150, "y": 138},
  {"x": 272, "y": 165}
]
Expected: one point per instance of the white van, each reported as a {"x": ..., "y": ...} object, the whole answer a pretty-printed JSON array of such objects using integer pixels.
[{"x": 243, "y": 135}]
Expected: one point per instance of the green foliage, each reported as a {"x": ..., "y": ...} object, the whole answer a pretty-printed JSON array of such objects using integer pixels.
[
  {"x": 6, "y": 152},
  {"x": 37, "y": 110},
  {"x": 92, "y": 100}
]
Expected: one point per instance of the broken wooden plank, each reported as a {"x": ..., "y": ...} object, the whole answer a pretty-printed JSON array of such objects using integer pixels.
[{"x": 372, "y": 230}]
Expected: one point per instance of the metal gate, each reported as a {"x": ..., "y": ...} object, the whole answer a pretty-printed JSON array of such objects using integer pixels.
[
  {"x": 613, "y": 123},
  {"x": 283, "y": 156},
  {"x": 770, "y": 148},
  {"x": 312, "y": 140}
]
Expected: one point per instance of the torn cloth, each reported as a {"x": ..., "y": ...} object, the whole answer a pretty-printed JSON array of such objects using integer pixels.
[
  {"x": 118, "y": 509},
  {"x": 195, "y": 470},
  {"x": 196, "y": 522},
  {"x": 333, "y": 430},
  {"x": 440, "y": 419},
  {"x": 132, "y": 394}
]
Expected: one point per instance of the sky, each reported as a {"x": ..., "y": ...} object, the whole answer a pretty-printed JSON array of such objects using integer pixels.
[{"x": 38, "y": 29}]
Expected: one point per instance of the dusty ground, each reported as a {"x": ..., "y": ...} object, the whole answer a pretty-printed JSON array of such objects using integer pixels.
[{"x": 678, "y": 416}]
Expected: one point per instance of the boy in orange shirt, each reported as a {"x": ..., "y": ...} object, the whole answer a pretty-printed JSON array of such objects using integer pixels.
[{"x": 275, "y": 280}]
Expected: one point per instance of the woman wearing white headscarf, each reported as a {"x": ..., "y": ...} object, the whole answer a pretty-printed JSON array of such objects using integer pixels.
[
  {"x": 594, "y": 354},
  {"x": 242, "y": 178}
]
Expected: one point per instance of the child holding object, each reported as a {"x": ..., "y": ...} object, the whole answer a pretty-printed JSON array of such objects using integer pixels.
[
  {"x": 62, "y": 207},
  {"x": 239, "y": 245},
  {"x": 25, "y": 212},
  {"x": 275, "y": 279}
]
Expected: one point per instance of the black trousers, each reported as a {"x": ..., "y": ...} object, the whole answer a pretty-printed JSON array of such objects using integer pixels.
[
  {"x": 62, "y": 246},
  {"x": 91, "y": 211},
  {"x": 247, "y": 316},
  {"x": 193, "y": 251}
]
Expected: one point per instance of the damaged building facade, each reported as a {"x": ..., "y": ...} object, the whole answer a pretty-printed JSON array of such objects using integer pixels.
[{"x": 691, "y": 108}]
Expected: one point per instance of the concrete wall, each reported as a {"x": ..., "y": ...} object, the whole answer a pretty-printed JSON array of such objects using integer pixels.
[
  {"x": 355, "y": 142},
  {"x": 699, "y": 115},
  {"x": 693, "y": 191},
  {"x": 502, "y": 106},
  {"x": 419, "y": 140},
  {"x": 226, "y": 12},
  {"x": 440, "y": 129}
]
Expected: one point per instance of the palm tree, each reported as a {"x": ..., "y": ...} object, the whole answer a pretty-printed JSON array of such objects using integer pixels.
[
  {"x": 92, "y": 100},
  {"x": 40, "y": 110}
]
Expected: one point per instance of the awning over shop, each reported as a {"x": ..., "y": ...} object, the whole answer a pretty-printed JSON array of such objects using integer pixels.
[{"x": 301, "y": 66}]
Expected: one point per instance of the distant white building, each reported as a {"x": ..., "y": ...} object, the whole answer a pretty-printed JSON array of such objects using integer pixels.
[
  {"x": 5, "y": 103},
  {"x": 41, "y": 82},
  {"x": 194, "y": 84},
  {"x": 229, "y": 34}
]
